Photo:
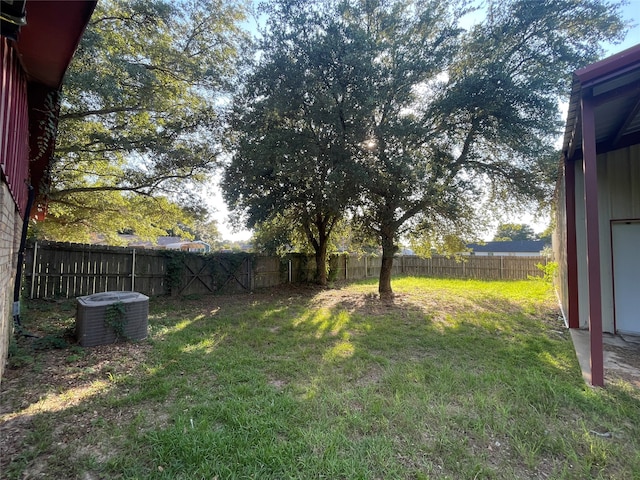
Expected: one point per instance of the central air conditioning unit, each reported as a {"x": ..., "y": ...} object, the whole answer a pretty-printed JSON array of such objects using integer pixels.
[{"x": 108, "y": 317}]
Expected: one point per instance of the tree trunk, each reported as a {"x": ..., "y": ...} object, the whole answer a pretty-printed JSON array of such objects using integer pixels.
[
  {"x": 388, "y": 251},
  {"x": 320, "y": 247},
  {"x": 321, "y": 262}
]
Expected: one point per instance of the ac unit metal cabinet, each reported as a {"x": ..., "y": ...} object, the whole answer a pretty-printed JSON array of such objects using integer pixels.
[{"x": 91, "y": 311}]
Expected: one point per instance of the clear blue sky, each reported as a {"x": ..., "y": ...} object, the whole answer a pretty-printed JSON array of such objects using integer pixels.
[{"x": 631, "y": 12}]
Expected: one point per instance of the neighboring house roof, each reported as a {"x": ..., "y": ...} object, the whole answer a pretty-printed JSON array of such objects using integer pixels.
[
  {"x": 164, "y": 241},
  {"x": 509, "y": 247}
]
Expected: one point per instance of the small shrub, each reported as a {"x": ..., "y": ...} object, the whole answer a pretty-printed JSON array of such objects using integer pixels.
[{"x": 549, "y": 270}]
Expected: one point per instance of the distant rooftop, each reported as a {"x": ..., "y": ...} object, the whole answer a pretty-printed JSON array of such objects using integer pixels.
[{"x": 510, "y": 247}]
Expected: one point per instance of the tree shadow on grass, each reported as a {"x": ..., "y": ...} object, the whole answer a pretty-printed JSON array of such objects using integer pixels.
[{"x": 218, "y": 366}]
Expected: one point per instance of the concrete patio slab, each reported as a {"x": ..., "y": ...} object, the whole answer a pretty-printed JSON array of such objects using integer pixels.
[{"x": 621, "y": 356}]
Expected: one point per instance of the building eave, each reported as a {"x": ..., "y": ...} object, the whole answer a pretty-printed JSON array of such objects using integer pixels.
[
  {"x": 49, "y": 39},
  {"x": 613, "y": 85}
]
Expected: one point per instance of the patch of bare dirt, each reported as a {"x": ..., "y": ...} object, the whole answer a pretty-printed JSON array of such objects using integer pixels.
[{"x": 44, "y": 388}]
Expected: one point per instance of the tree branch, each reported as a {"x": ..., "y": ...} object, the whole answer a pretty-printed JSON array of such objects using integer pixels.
[
  {"x": 101, "y": 111},
  {"x": 142, "y": 188}
]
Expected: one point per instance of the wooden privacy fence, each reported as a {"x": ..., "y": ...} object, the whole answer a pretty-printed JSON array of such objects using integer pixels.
[
  {"x": 473, "y": 267},
  {"x": 72, "y": 270}
]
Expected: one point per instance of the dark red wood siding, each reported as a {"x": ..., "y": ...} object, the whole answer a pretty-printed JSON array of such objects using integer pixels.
[{"x": 14, "y": 126}]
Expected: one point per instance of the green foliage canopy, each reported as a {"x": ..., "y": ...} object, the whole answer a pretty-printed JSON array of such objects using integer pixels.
[
  {"x": 142, "y": 116},
  {"x": 297, "y": 129},
  {"x": 421, "y": 119},
  {"x": 507, "y": 232}
]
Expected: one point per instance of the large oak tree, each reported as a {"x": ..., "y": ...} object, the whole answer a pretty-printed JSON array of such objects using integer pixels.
[
  {"x": 422, "y": 120},
  {"x": 142, "y": 116},
  {"x": 297, "y": 124}
]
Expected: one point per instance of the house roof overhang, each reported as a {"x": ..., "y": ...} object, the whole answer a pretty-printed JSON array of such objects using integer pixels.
[
  {"x": 613, "y": 85},
  {"x": 45, "y": 46},
  {"x": 47, "y": 42}
]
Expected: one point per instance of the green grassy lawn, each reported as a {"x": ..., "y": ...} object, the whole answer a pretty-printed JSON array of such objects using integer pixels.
[{"x": 456, "y": 379}]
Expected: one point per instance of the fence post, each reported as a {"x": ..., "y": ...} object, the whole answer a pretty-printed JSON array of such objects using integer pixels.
[
  {"x": 33, "y": 268},
  {"x": 289, "y": 271},
  {"x": 366, "y": 268},
  {"x": 501, "y": 267},
  {"x": 345, "y": 267},
  {"x": 133, "y": 270}
]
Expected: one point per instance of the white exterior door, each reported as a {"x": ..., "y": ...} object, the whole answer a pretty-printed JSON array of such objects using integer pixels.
[{"x": 626, "y": 276}]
